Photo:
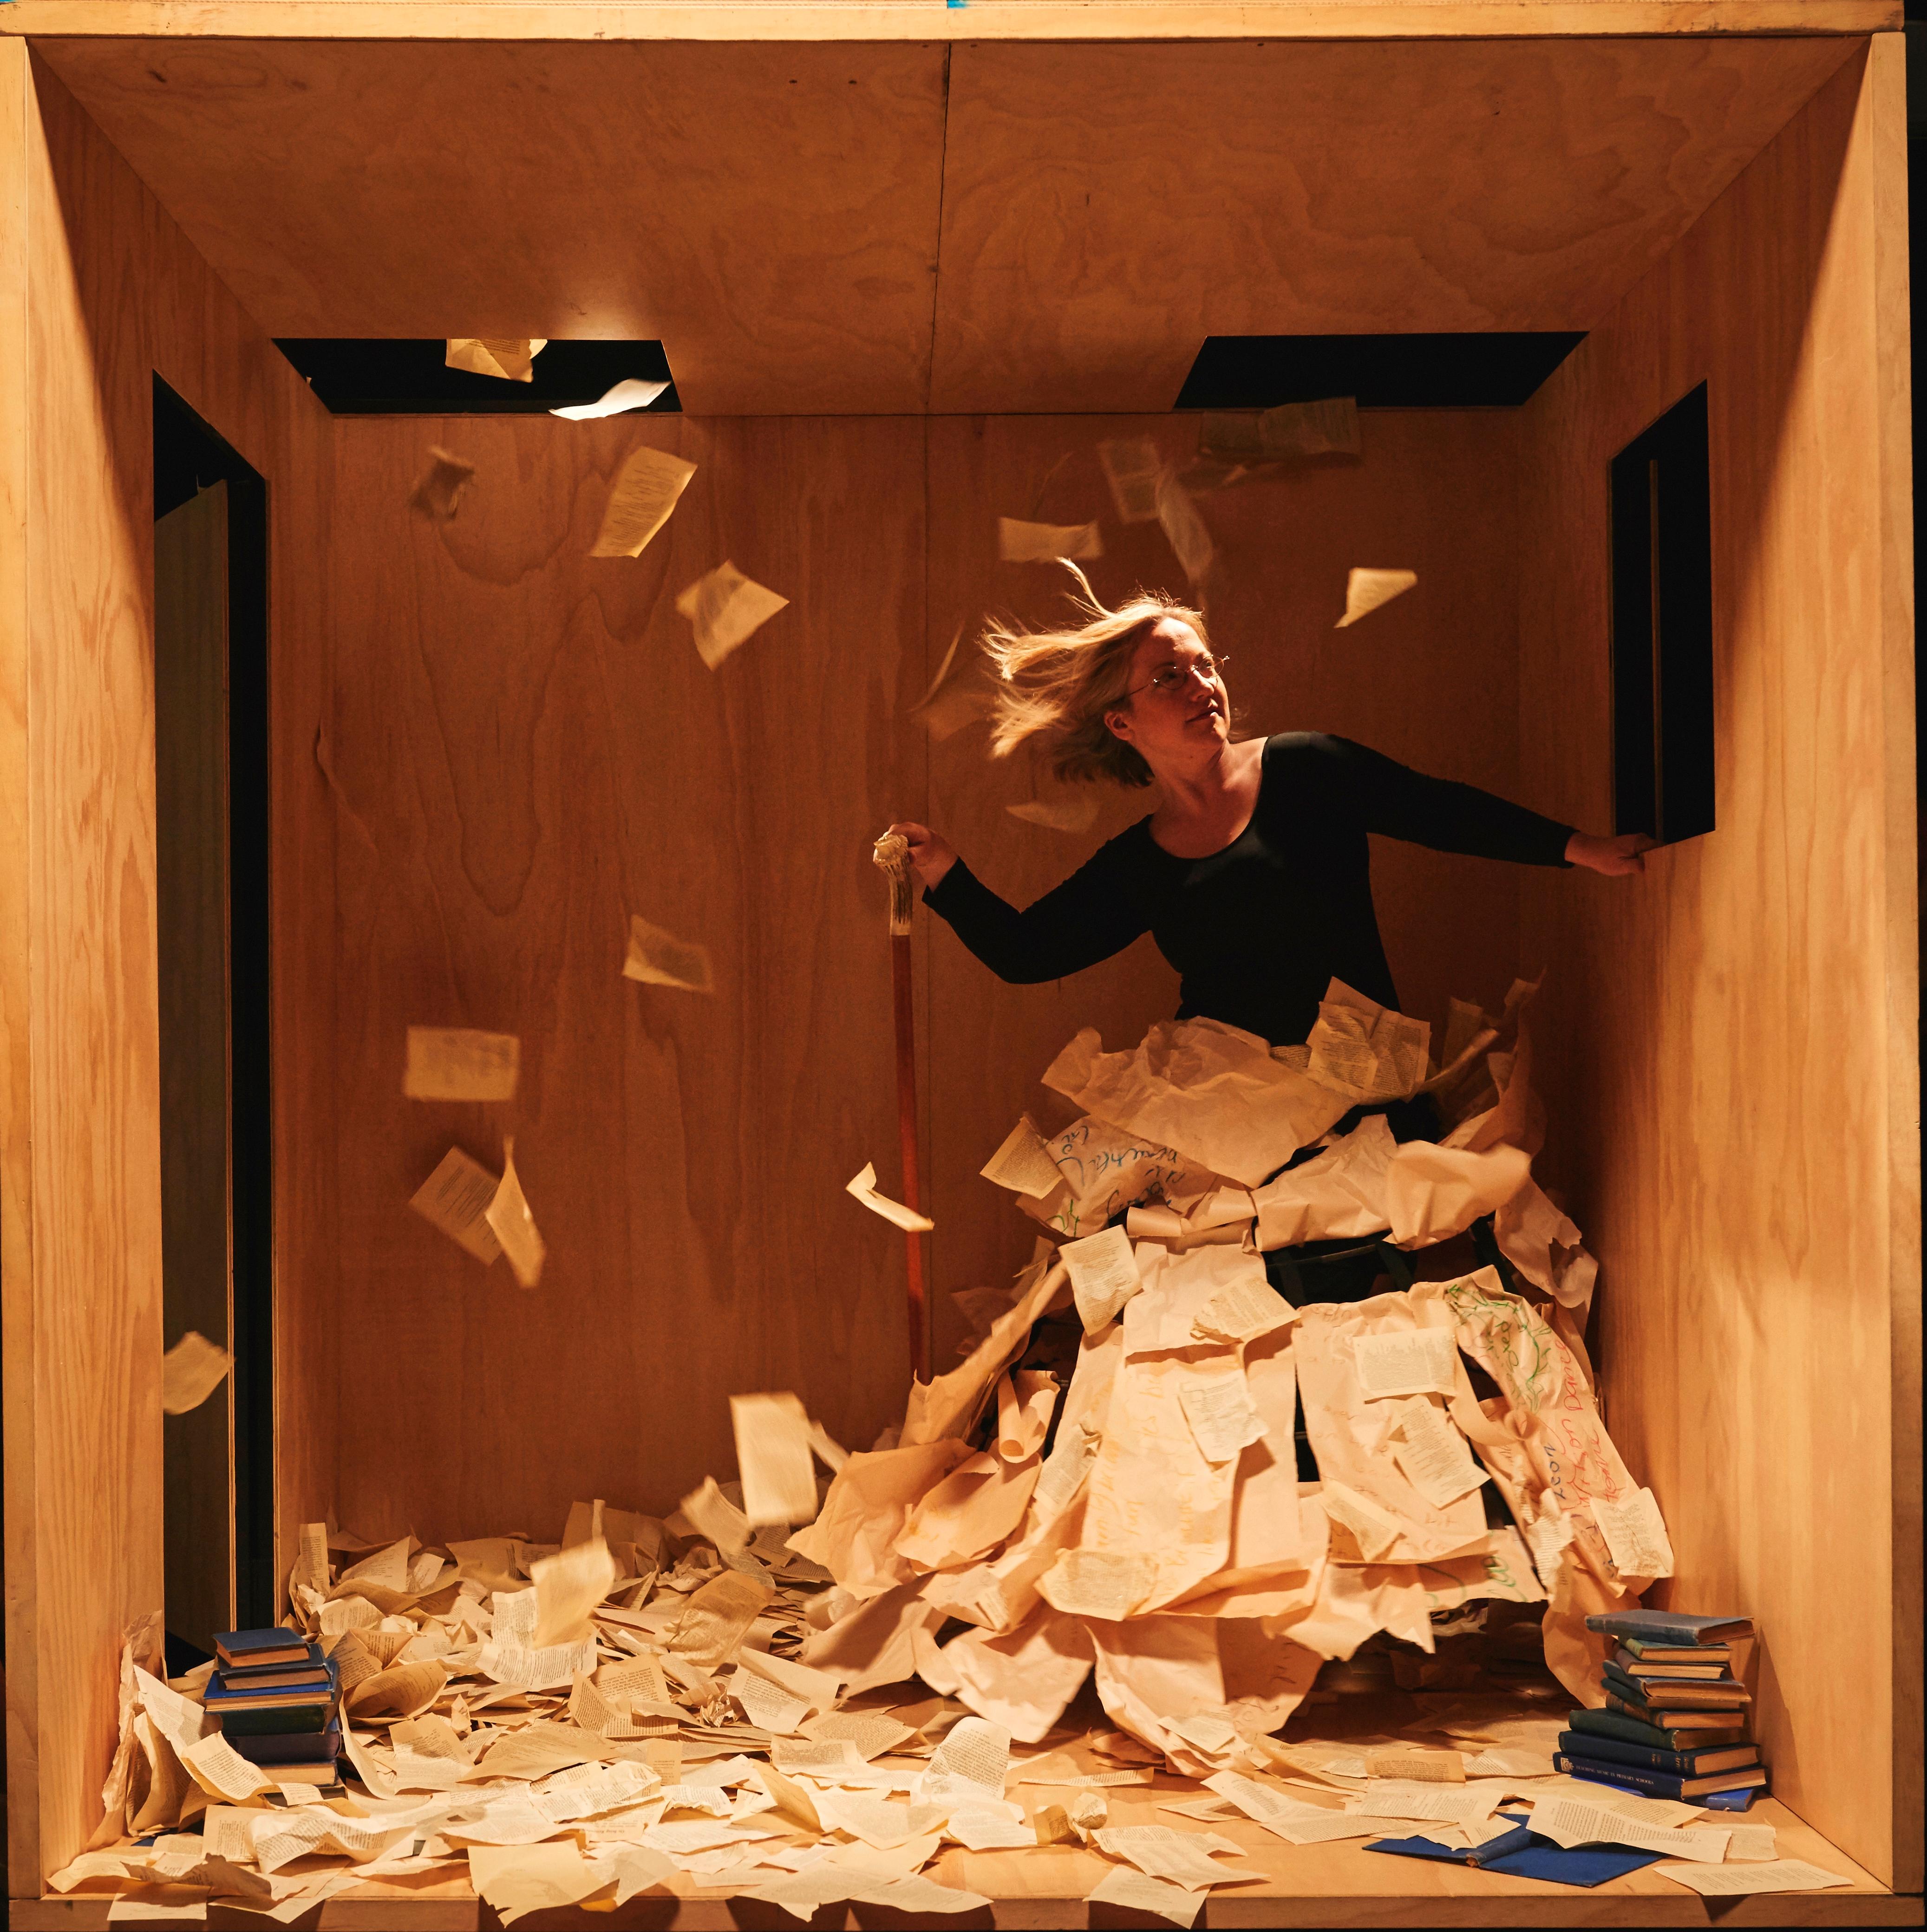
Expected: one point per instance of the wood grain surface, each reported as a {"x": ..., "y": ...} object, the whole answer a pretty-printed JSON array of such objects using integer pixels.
[
  {"x": 101, "y": 291},
  {"x": 1730, "y": 1043},
  {"x": 772, "y": 214},
  {"x": 894, "y": 20}
]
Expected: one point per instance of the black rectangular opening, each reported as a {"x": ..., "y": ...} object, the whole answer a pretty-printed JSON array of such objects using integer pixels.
[
  {"x": 1475, "y": 369},
  {"x": 211, "y": 761},
  {"x": 381, "y": 376},
  {"x": 1662, "y": 628}
]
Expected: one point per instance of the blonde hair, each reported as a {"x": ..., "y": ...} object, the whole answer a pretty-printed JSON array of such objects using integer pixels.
[{"x": 1055, "y": 686}]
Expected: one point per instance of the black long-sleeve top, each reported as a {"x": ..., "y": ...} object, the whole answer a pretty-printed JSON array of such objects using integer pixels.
[{"x": 1258, "y": 930}]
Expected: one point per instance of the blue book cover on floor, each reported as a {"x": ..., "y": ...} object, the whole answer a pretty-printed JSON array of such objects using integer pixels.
[{"x": 1523, "y": 1853}]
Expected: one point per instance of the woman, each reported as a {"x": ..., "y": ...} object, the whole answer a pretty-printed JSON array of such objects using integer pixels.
[{"x": 1253, "y": 874}]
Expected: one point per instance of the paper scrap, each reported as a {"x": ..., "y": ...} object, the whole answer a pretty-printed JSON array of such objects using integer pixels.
[
  {"x": 1137, "y": 1891},
  {"x": 1414, "y": 1361},
  {"x": 1241, "y": 1311},
  {"x": 715, "y": 1618},
  {"x": 190, "y": 1371},
  {"x": 1023, "y": 1163},
  {"x": 516, "y": 1880},
  {"x": 1751, "y": 1842},
  {"x": 1161, "y": 1852},
  {"x": 630, "y": 393},
  {"x": 1570, "y": 1822},
  {"x": 1433, "y": 1455},
  {"x": 1635, "y": 1534},
  {"x": 456, "y": 1198},
  {"x": 726, "y": 608},
  {"x": 1103, "y": 1275},
  {"x": 1132, "y": 467},
  {"x": 1019, "y": 542},
  {"x": 439, "y": 489},
  {"x": 1417, "y": 1767},
  {"x": 461, "y": 1063},
  {"x": 971, "y": 1763},
  {"x": 1103, "y": 1583},
  {"x": 957, "y": 694},
  {"x": 1365, "y": 590},
  {"x": 1073, "y": 811},
  {"x": 568, "y": 1586},
  {"x": 512, "y": 359},
  {"x": 1442, "y": 1804},
  {"x": 645, "y": 494},
  {"x": 1327, "y": 427},
  {"x": 659, "y": 958},
  {"x": 513, "y": 1225},
  {"x": 1190, "y": 540},
  {"x": 1374, "y": 1530},
  {"x": 1223, "y": 1423},
  {"x": 864, "y": 1187},
  {"x": 1727, "y": 1881},
  {"x": 772, "y": 1457}
]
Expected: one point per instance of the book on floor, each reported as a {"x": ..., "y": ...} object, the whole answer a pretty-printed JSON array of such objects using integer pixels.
[
  {"x": 1656, "y": 1783},
  {"x": 1672, "y": 1627},
  {"x": 250, "y": 1648},
  {"x": 1699, "y": 1763},
  {"x": 1694, "y": 1736}
]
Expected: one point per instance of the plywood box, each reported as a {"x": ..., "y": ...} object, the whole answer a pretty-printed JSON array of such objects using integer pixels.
[{"x": 907, "y": 279}]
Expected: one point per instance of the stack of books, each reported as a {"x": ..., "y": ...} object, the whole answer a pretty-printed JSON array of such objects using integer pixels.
[
  {"x": 1675, "y": 1723},
  {"x": 277, "y": 1701}
]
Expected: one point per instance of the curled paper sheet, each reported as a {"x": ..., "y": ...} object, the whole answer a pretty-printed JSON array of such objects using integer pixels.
[
  {"x": 439, "y": 489},
  {"x": 1364, "y": 1051},
  {"x": 659, "y": 958},
  {"x": 1366, "y": 590},
  {"x": 1190, "y": 540},
  {"x": 1131, "y": 466},
  {"x": 1023, "y": 1163},
  {"x": 512, "y": 360},
  {"x": 456, "y": 1198},
  {"x": 863, "y": 1186},
  {"x": 725, "y": 608},
  {"x": 1071, "y": 810},
  {"x": 958, "y": 694},
  {"x": 514, "y": 1226},
  {"x": 190, "y": 1371},
  {"x": 1019, "y": 542},
  {"x": 460, "y": 1064},
  {"x": 647, "y": 489},
  {"x": 630, "y": 393}
]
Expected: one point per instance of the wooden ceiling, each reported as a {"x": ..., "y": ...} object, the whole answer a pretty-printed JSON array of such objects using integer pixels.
[{"x": 891, "y": 227}]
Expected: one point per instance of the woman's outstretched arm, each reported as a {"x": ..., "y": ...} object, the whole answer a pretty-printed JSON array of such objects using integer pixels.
[
  {"x": 1086, "y": 919},
  {"x": 1393, "y": 800}
]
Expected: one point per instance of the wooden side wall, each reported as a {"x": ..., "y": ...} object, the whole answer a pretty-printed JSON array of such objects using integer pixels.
[
  {"x": 1729, "y": 1045},
  {"x": 98, "y": 290},
  {"x": 532, "y": 751}
]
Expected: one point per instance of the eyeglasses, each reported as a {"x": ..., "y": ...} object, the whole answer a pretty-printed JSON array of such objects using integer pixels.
[{"x": 1171, "y": 677}]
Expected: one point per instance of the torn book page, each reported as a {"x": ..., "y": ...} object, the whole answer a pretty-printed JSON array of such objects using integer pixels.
[
  {"x": 190, "y": 1371},
  {"x": 1190, "y": 542},
  {"x": 659, "y": 958},
  {"x": 439, "y": 489},
  {"x": 863, "y": 1186},
  {"x": 725, "y": 609},
  {"x": 1103, "y": 1275},
  {"x": 1366, "y": 590},
  {"x": 1074, "y": 810},
  {"x": 630, "y": 393},
  {"x": 1022, "y": 1163},
  {"x": 513, "y": 1225},
  {"x": 959, "y": 694},
  {"x": 1133, "y": 1891},
  {"x": 1734, "y": 1881},
  {"x": 461, "y": 1063},
  {"x": 1131, "y": 466},
  {"x": 456, "y": 1198},
  {"x": 1364, "y": 1051},
  {"x": 646, "y": 492},
  {"x": 1417, "y": 1361},
  {"x": 1435, "y": 1458},
  {"x": 512, "y": 359},
  {"x": 1019, "y": 542},
  {"x": 1218, "y": 1408},
  {"x": 773, "y": 1460},
  {"x": 1635, "y": 1534}
]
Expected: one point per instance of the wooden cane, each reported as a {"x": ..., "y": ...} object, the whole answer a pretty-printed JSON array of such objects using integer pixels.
[{"x": 892, "y": 852}]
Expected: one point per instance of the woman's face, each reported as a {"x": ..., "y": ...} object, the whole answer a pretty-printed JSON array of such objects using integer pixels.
[{"x": 1178, "y": 705}]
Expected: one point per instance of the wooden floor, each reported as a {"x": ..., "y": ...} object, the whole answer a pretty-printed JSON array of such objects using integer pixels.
[{"x": 1339, "y": 1884}]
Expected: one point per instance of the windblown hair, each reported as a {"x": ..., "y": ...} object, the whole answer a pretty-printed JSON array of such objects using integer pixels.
[{"x": 1055, "y": 686}]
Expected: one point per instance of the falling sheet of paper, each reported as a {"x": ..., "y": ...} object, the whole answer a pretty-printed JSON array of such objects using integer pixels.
[
  {"x": 1103, "y": 1275},
  {"x": 659, "y": 958},
  {"x": 1433, "y": 1455},
  {"x": 516, "y": 1880},
  {"x": 1364, "y": 1051},
  {"x": 958, "y": 694},
  {"x": 1044, "y": 543},
  {"x": 1138, "y": 1891},
  {"x": 190, "y": 1371},
  {"x": 1420, "y": 1361},
  {"x": 647, "y": 489},
  {"x": 1635, "y": 1534},
  {"x": 568, "y": 1586},
  {"x": 726, "y": 609},
  {"x": 864, "y": 1187},
  {"x": 1728, "y": 1881},
  {"x": 1023, "y": 1163},
  {"x": 439, "y": 489},
  {"x": 460, "y": 1064},
  {"x": 1326, "y": 428},
  {"x": 971, "y": 1763},
  {"x": 514, "y": 1226},
  {"x": 1073, "y": 811},
  {"x": 1366, "y": 590},
  {"x": 772, "y": 1457},
  {"x": 630, "y": 393},
  {"x": 456, "y": 1198},
  {"x": 512, "y": 359},
  {"x": 1132, "y": 467},
  {"x": 1222, "y": 1421},
  {"x": 1190, "y": 541},
  {"x": 714, "y": 1619}
]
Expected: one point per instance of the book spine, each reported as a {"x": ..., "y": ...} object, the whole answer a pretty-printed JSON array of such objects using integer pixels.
[{"x": 1616, "y": 1750}]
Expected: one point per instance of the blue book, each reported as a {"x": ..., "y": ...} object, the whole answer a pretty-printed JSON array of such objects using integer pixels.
[
  {"x": 1522, "y": 1853},
  {"x": 292, "y": 1746},
  {"x": 321, "y": 1689},
  {"x": 1656, "y": 1783},
  {"x": 248, "y": 1647},
  {"x": 310, "y": 1668},
  {"x": 1735, "y": 1801},
  {"x": 1648, "y": 1757},
  {"x": 1670, "y": 1626}
]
